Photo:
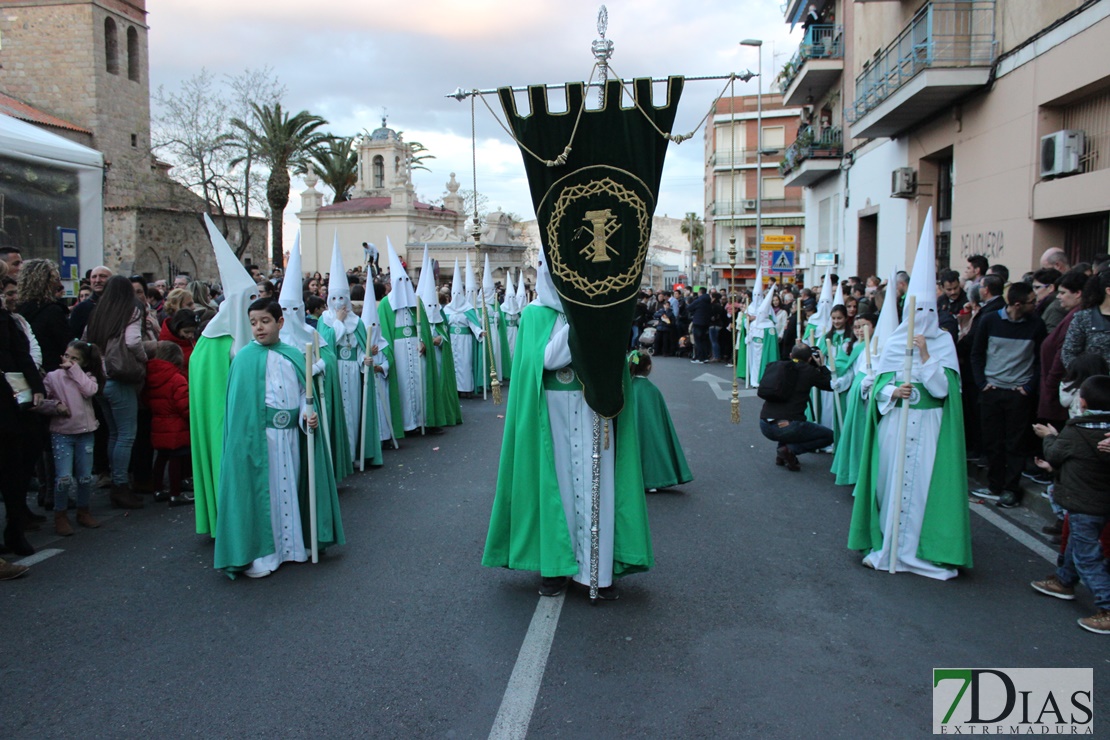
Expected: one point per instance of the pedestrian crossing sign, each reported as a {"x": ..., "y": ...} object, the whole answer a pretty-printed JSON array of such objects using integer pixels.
[{"x": 782, "y": 260}]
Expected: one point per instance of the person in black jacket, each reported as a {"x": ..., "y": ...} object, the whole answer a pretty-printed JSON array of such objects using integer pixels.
[
  {"x": 48, "y": 316},
  {"x": 699, "y": 310},
  {"x": 15, "y": 357},
  {"x": 717, "y": 321},
  {"x": 785, "y": 421}
]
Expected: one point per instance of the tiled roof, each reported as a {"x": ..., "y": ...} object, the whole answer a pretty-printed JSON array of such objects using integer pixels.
[
  {"x": 24, "y": 112},
  {"x": 374, "y": 204}
]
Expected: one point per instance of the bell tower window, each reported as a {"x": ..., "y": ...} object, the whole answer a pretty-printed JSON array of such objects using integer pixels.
[
  {"x": 132, "y": 54},
  {"x": 379, "y": 171},
  {"x": 111, "y": 46}
]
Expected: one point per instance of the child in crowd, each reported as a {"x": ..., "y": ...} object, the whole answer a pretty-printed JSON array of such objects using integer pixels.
[
  {"x": 262, "y": 496},
  {"x": 661, "y": 455},
  {"x": 314, "y": 308},
  {"x": 1083, "y": 491},
  {"x": 167, "y": 394},
  {"x": 181, "y": 329},
  {"x": 70, "y": 390},
  {"x": 1082, "y": 367}
]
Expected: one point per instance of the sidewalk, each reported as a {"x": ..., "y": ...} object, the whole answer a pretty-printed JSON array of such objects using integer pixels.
[{"x": 1034, "y": 512}]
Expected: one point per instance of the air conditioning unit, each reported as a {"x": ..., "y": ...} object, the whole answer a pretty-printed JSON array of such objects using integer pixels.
[
  {"x": 749, "y": 204},
  {"x": 903, "y": 182},
  {"x": 1060, "y": 153}
]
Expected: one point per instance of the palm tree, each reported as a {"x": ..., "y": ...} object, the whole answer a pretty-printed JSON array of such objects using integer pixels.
[
  {"x": 694, "y": 230},
  {"x": 336, "y": 162},
  {"x": 281, "y": 141}
]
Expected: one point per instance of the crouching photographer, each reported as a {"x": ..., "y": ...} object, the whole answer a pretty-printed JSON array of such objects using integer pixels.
[{"x": 785, "y": 389}]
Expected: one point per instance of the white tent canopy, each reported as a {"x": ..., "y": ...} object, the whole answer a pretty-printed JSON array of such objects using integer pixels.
[{"x": 29, "y": 143}]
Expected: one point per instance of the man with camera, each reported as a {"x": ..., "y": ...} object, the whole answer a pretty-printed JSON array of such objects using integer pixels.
[{"x": 785, "y": 389}]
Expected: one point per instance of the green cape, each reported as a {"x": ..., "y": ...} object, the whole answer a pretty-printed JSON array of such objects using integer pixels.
[
  {"x": 447, "y": 391},
  {"x": 849, "y": 446},
  {"x": 946, "y": 529},
  {"x": 740, "y": 347},
  {"x": 208, "y": 368},
  {"x": 481, "y": 353},
  {"x": 528, "y": 527},
  {"x": 433, "y": 413},
  {"x": 661, "y": 455},
  {"x": 244, "y": 531},
  {"x": 337, "y": 412}
]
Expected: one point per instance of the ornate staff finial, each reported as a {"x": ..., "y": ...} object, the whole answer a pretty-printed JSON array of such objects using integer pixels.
[{"x": 602, "y": 49}]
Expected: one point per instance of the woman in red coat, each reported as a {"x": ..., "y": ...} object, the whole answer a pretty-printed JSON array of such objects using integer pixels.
[{"x": 167, "y": 393}]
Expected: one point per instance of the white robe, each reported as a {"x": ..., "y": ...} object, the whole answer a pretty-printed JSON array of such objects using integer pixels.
[
  {"x": 463, "y": 346},
  {"x": 350, "y": 382},
  {"x": 572, "y": 435},
  {"x": 283, "y": 391},
  {"x": 922, "y": 435},
  {"x": 512, "y": 324},
  {"x": 381, "y": 393},
  {"x": 409, "y": 368}
]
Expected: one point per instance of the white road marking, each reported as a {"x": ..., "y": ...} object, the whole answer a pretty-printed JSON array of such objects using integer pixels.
[
  {"x": 716, "y": 382},
  {"x": 39, "y": 556},
  {"x": 524, "y": 684},
  {"x": 1016, "y": 532}
]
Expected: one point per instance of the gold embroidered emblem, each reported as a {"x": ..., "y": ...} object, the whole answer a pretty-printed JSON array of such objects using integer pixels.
[{"x": 604, "y": 225}]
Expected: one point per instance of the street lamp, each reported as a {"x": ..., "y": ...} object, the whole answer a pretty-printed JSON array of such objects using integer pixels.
[{"x": 758, "y": 44}]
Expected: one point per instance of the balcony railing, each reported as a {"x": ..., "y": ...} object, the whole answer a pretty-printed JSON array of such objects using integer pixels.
[
  {"x": 821, "y": 41},
  {"x": 828, "y": 144},
  {"x": 737, "y": 157},
  {"x": 959, "y": 33},
  {"x": 746, "y": 207}
]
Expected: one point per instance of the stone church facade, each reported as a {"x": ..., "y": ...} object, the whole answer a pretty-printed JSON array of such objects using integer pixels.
[{"x": 86, "y": 62}]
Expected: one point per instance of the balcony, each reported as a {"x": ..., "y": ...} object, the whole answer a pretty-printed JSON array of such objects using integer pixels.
[
  {"x": 812, "y": 157},
  {"x": 816, "y": 66},
  {"x": 944, "y": 53},
  {"x": 724, "y": 159},
  {"x": 745, "y": 207}
]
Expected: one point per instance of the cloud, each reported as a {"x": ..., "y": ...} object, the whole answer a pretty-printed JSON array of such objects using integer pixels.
[{"x": 348, "y": 60}]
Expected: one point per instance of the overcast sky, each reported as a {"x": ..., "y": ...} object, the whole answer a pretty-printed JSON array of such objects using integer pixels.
[{"x": 347, "y": 60}]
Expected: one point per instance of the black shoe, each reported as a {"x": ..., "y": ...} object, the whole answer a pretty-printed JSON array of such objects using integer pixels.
[
  {"x": 1009, "y": 500},
  {"x": 161, "y": 497},
  {"x": 185, "y": 499},
  {"x": 780, "y": 459},
  {"x": 609, "y": 593},
  {"x": 553, "y": 586},
  {"x": 1057, "y": 527},
  {"x": 32, "y": 516},
  {"x": 17, "y": 543},
  {"x": 789, "y": 459}
]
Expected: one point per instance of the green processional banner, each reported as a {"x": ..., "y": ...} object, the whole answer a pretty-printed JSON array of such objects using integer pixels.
[{"x": 594, "y": 214}]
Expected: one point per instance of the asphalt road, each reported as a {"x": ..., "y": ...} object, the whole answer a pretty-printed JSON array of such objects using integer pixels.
[{"x": 756, "y": 620}]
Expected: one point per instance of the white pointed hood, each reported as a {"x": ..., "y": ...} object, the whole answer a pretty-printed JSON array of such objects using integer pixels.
[
  {"x": 510, "y": 305},
  {"x": 838, "y": 296},
  {"x": 291, "y": 299},
  {"x": 240, "y": 291},
  {"x": 339, "y": 291},
  {"x": 923, "y": 287},
  {"x": 471, "y": 289},
  {"x": 426, "y": 291},
  {"x": 371, "y": 321},
  {"x": 489, "y": 293},
  {"x": 888, "y": 318},
  {"x": 763, "y": 318},
  {"x": 823, "y": 318},
  {"x": 546, "y": 295},
  {"x": 401, "y": 295},
  {"x": 459, "y": 303},
  {"x": 757, "y": 291},
  {"x": 521, "y": 292}
]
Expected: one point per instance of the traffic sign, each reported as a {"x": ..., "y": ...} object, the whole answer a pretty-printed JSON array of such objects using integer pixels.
[
  {"x": 782, "y": 260},
  {"x": 778, "y": 238}
]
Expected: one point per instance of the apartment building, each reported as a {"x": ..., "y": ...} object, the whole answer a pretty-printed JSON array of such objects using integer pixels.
[
  {"x": 994, "y": 113},
  {"x": 733, "y": 172}
]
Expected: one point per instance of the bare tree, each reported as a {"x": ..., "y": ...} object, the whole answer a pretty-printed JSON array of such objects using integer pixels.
[{"x": 192, "y": 131}]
